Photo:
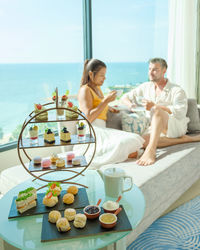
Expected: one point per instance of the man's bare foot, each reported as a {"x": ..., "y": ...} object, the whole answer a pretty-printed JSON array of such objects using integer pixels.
[{"x": 148, "y": 158}]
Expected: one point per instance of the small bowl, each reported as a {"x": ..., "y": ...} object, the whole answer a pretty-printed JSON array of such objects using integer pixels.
[
  {"x": 92, "y": 215},
  {"x": 105, "y": 224},
  {"x": 111, "y": 210}
]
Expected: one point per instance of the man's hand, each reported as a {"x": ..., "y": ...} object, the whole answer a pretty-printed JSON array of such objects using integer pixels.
[{"x": 148, "y": 104}]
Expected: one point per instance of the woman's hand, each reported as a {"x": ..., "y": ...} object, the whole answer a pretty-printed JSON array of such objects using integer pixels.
[
  {"x": 113, "y": 110},
  {"x": 111, "y": 96}
]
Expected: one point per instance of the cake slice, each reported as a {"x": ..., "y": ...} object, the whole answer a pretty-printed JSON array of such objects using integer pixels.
[
  {"x": 65, "y": 135},
  {"x": 49, "y": 136},
  {"x": 38, "y": 109}
]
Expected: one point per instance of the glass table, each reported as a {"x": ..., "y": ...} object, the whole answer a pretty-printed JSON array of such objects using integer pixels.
[{"x": 25, "y": 232}]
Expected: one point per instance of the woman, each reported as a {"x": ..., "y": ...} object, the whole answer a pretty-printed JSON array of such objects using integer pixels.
[{"x": 112, "y": 145}]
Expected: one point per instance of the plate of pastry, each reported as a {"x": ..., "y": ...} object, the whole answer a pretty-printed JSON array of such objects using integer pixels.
[{"x": 72, "y": 223}]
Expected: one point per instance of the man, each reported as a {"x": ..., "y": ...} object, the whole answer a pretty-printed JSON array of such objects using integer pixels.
[{"x": 166, "y": 108}]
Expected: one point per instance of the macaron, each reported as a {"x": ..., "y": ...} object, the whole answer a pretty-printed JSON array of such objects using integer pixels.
[
  {"x": 46, "y": 163},
  {"x": 70, "y": 156},
  {"x": 37, "y": 160},
  {"x": 76, "y": 161}
]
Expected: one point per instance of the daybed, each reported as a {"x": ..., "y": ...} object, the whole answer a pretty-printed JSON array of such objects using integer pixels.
[{"x": 176, "y": 169}]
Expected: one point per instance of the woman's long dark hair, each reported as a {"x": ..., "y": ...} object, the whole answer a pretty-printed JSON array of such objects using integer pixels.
[{"x": 93, "y": 65}]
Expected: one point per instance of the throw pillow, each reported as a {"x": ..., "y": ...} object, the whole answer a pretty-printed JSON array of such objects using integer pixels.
[
  {"x": 135, "y": 122},
  {"x": 193, "y": 114}
]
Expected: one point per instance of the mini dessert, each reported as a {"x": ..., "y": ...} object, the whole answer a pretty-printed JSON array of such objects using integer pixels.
[
  {"x": 60, "y": 163},
  {"x": 81, "y": 129},
  {"x": 50, "y": 199},
  {"x": 65, "y": 135},
  {"x": 80, "y": 221},
  {"x": 33, "y": 133},
  {"x": 49, "y": 136},
  {"x": 64, "y": 98},
  {"x": 68, "y": 198},
  {"x": 70, "y": 213},
  {"x": 26, "y": 199},
  {"x": 70, "y": 156},
  {"x": 38, "y": 109},
  {"x": 54, "y": 158},
  {"x": 76, "y": 161},
  {"x": 110, "y": 206},
  {"x": 54, "y": 215},
  {"x": 69, "y": 113},
  {"x": 63, "y": 225},
  {"x": 55, "y": 187},
  {"x": 37, "y": 160},
  {"x": 72, "y": 190},
  {"x": 46, "y": 163}
]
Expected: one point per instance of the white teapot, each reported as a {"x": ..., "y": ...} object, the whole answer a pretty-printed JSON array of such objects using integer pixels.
[{"x": 114, "y": 181}]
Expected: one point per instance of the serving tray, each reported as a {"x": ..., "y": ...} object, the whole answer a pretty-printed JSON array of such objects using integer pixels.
[
  {"x": 80, "y": 201},
  {"x": 93, "y": 227}
]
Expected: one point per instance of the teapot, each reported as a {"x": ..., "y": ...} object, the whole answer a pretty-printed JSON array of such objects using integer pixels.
[{"x": 113, "y": 179}]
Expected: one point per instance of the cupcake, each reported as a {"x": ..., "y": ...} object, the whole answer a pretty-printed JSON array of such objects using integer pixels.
[{"x": 65, "y": 135}]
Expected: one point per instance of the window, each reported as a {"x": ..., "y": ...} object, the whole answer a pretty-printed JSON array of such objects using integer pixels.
[
  {"x": 126, "y": 34},
  {"x": 41, "y": 48}
]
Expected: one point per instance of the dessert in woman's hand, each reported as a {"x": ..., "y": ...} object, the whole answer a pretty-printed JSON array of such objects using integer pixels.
[
  {"x": 38, "y": 109},
  {"x": 80, "y": 221},
  {"x": 71, "y": 114},
  {"x": 60, "y": 163},
  {"x": 37, "y": 160},
  {"x": 55, "y": 187},
  {"x": 33, "y": 134},
  {"x": 81, "y": 129},
  {"x": 63, "y": 225},
  {"x": 68, "y": 198},
  {"x": 50, "y": 199},
  {"x": 54, "y": 158},
  {"x": 65, "y": 135},
  {"x": 54, "y": 215},
  {"x": 72, "y": 190},
  {"x": 49, "y": 136},
  {"x": 26, "y": 199},
  {"x": 70, "y": 213}
]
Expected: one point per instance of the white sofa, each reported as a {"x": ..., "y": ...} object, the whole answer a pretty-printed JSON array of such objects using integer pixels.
[{"x": 176, "y": 169}]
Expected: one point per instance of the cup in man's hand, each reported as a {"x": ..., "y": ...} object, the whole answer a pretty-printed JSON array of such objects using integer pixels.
[
  {"x": 139, "y": 100},
  {"x": 119, "y": 92}
]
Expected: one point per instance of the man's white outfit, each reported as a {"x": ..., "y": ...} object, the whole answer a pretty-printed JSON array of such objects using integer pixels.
[{"x": 172, "y": 97}]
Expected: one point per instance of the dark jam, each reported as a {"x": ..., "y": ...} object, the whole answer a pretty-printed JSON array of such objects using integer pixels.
[{"x": 92, "y": 210}]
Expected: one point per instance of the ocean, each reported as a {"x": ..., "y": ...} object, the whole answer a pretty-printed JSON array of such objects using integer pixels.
[{"x": 22, "y": 85}]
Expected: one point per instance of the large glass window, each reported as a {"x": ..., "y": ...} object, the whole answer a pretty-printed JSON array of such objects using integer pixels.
[
  {"x": 126, "y": 34},
  {"x": 41, "y": 47}
]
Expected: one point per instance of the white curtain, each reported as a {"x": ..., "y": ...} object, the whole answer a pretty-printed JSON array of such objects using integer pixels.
[
  {"x": 198, "y": 53},
  {"x": 182, "y": 44}
]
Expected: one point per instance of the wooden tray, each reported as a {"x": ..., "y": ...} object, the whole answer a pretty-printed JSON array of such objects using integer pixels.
[
  {"x": 93, "y": 227},
  {"x": 80, "y": 201}
]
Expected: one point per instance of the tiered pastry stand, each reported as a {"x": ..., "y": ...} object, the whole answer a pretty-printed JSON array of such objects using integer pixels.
[{"x": 25, "y": 143}]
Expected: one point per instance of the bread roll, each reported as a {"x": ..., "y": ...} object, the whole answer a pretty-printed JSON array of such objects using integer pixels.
[
  {"x": 54, "y": 215},
  {"x": 68, "y": 198},
  {"x": 63, "y": 225},
  {"x": 70, "y": 214},
  {"x": 72, "y": 189},
  {"x": 80, "y": 220},
  {"x": 50, "y": 202}
]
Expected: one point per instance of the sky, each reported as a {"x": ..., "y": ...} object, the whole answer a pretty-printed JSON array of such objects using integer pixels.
[{"x": 49, "y": 31}]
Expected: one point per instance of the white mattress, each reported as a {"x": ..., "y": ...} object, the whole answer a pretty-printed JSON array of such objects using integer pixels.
[{"x": 162, "y": 183}]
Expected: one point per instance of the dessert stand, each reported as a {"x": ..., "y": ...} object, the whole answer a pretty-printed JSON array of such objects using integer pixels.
[{"x": 24, "y": 143}]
